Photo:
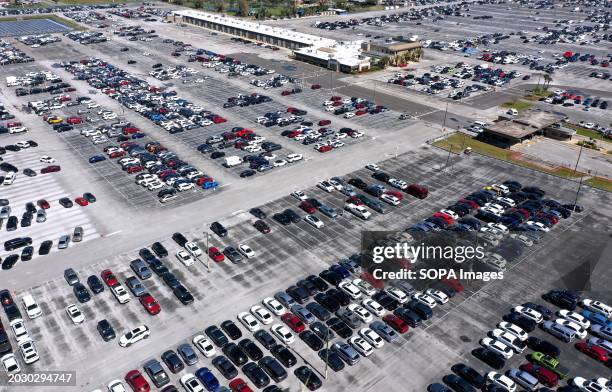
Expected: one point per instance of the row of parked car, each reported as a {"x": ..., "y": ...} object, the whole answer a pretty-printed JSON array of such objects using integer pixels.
[{"x": 12, "y": 55}]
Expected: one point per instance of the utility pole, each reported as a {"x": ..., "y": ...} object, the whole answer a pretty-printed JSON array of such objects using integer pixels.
[
  {"x": 577, "y": 193},
  {"x": 445, "y": 115},
  {"x": 578, "y": 160},
  {"x": 207, "y": 254}
]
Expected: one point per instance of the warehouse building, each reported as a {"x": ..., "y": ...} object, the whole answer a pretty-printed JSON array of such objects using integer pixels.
[{"x": 508, "y": 131}]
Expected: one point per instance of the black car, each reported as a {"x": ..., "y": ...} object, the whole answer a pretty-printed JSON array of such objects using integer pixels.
[
  {"x": 457, "y": 383},
  {"x": 231, "y": 329},
  {"x": 491, "y": 358},
  {"x": 308, "y": 286},
  {"x": 258, "y": 213},
  {"x": 146, "y": 254},
  {"x": 318, "y": 283},
  {"x": 80, "y": 292},
  {"x": 298, "y": 294},
  {"x": 105, "y": 330},
  {"x": 247, "y": 173},
  {"x": 308, "y": 377},
  {"x": 322, "y": 331},
  {"x": 329, "y": 302},
  {"x": 171, "y": 280},
  {"x": 225, "y": 367},
  {"x": 284, "y": 355},
  {"x": 311, "y": 340},
  {"x": 410, "y": 317},
  {"x": 216, "y": 335},
  {"x": 385, "y": 300},
  {"x": 318, "y": 311},
  {"x": 422, "y": 310},
  {"x": 469, "y": 374},
  {"x": 173, "y": 361},
  {"x": 179, "y": 238},
  {"x": 95, "y": 284},
  {"x": 546, "y": 313},
  {"x": 381, "y": 176},
  {"x": 527, "y": 324},
  {"x": 265, "y": 339},
  {"x": 256, "y": 374},
  {"x": 183, "y": 294},
  {"x": 26, "y": 253},
  {"x": 10, "y": 261},
  {"x": 251, "y": 349},
  {"x": 45, "y": 247},
  {"x": 218, "y": 229},
  {"x": 343, "y": 298},
  {"x": 274, "y": 369},
  {"x": 357, "y": 183},
  {"x": 235, "y": 354},
  {"x": 281, "y": 218},
  {"x": 561, "y": 298},
  {"x": 66, "y": 202},
  {"x": 332, "y": 359},
  {"x": 11, "y": 223},
  {"x": 292, "y": 215},
  {"x": 340, "y": 327},
  {"x": 159, "y": 249},
  {"x": 543, "y": 346}
]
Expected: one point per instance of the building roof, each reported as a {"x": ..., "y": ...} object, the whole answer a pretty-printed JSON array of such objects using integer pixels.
[
  {"x": 302, "y": 38},
  {"x": 344, "y": 53},
  {"x": 526, "y": 124},
  {"x": 539, "y": 118},
  {"x": 510, "y": 129},
  {"x": 397, "y": 46}
]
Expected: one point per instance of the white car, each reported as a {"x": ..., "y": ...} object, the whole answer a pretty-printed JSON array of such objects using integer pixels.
[
  {"x": 246, "y": 251},
  {"x": 193, "y": 248},
  {"x": 116, "y": 386},
  {"x": 364, "y": 286},
  {"x": 314, "y": 221},
  {"x": 19, "y": 330},
  {"x": 361, "y": 312},
  {"x": 349, "y": 288},
  {"x": 9, "y": 363},
  {"x": 279, "y": 163},
  {"x": 497, "y": 346},
  {"x": 372, "y": 337},
  {"x": 508, "y": 339},
  {"x": 261, "y": 314},
  {"x": 75, "y": 314},
  {"x": 248, "y": 321},
  {"x": 184, "y": 186},
  {"x": 397, "y": 295},
  {"x": 450, "y": 213},
  {"x": 604, "y": 382},
  {"x": 397, "y": 183},
  {"x": 28, "y": 351},
  {"x": 137, "y": 334},
  {"x": 373, "y": 307},
  {"x": 184, "y": 257},
  {"x": 299, "y": 195},
  {"x": 597, "y": 306},
  {"x": 425, "y": 299},
  {"x": 575, "y": 317},
  {"x": 364, "y": 348},
  {"x": 294, "y": 157},
  {"x": 47, "y": 159},
  {"x": 191, "y": 383},
  {"x": 437, "y": 295},
  {"x": 538, "y": 226},
  {"x": 580, "y": 332},
  {"x": 502, "y": 381},
  {"x": 326, "y": 186},
  {"x": 23, "y": 144},
  {"x": 390, "y": 199},
  {"x": 529, "y": 313},
  {"x": 204, "y": 345},
  {"x": 283, "y": 333},
  {"x": 588, "y": 385},
  {"x": 498, "y": 227},
  {"x": 349, "y": 115},
  {"x": 120, "y": 294},
  {"x": 274, "y": 306},
  {"x": 372, "y": 166},
  {"x": 513, "y": 329}
]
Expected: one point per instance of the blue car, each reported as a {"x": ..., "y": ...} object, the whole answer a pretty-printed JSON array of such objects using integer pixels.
[
  {"x": 597, "y": 318},
  {"x": 138, "y": 135},
  {"x": 341, "y": 270},
  {"x": 97, "y": 158},
  {"x": 208, "y": 379}
]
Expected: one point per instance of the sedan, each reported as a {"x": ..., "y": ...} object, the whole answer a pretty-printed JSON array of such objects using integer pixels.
[
  {"x": 246, "y": 251},
  {"x": 75, "y": 314},
  {"x": 497, "y": 346},
  {"x": 364, "y": 348},
  {"x": 249, "y": 321},
  {"x": 204, "y": 345},
  {"x": 261, "y": 314},
  {"x": 374, "y": 307},
  {"x": 283, "y": 333},
  {"x": 372, "y": 337},
  {"x": 528, "y": 313}
]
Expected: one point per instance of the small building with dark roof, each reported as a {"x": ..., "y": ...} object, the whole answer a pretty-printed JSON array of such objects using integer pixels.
[{"x": 507, "y": 131}]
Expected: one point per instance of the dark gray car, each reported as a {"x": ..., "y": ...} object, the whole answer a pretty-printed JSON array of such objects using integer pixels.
[
  {"x": 349, "y": 317},
  {"x": 385, "y": 331},
  {"x": 156, "y": 373},
  {"x": 232, "y": 254},
  {"x": 141, "y": 269},
  {"x": 188, "y": 354},
  {"x": 346, "y": 352},
  {"x": 135, "y": 286},
  {"x": 71, "y": 276}
]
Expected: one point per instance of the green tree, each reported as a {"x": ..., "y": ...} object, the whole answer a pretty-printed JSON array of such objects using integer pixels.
[
  {"x": 220, "y": 6},
  {"x": 547, "y": 80},
  {"x": 243, "y": 8},
  {"x": 197, "y": 4}
]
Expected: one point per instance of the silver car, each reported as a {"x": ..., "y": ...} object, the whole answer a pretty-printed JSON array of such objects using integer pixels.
[
  {"x": 385, "y": 331},
  {"x": 41, "y": 216},
  {"x": 303, "y": 313},
  {"x": 77, "y": 235},
  {"x": 346, "y": 352},
  {"x": 64, "y": 241}
]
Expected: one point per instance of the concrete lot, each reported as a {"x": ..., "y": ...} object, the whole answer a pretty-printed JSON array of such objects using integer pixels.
[{"x": 125, "y": 220}]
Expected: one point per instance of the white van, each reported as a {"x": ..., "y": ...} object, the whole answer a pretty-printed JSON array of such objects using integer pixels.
[
  {"x": 9, "y": 178},
  {"x": 481, "y": 124},
  {"x": 31, "y": 307},
  {"x": 512, "y": 112}
]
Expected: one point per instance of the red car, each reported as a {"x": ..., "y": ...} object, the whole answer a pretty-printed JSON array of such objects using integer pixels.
[
  {"x": 293, "y": 322},
  {"x": 74, "y": 120},
  {"x": 150, "y": 304},
  {"x": 218, "y": 120},
  {"x": 50, "y": 169},
  {"x": 262, "y": 226},
  {"x": 545, "y": 376},
  {"x": 395, "y": 193},
  {"x": 239, "y": 385},
  {"x": 134, "y": 169},
  {"x": 81, "y": 201},
  {"x": 315, "y": 86},
  {"x": 42, "y": 203},
  {"x": 324, "y": 122},
  {"x": 309, "y": 208},
  {"x": 109, "y": 278},
  {"x": 454, "y": 283},
  {"x": 130, "y": 130},
  {"x": 471, "y": 203},
  {"x": 335, "y": 98},
  {"x": 137, "y": 381},
  {"x": 286, "y": 92},
  {"x": 595, "y": 352},
  {"x": 354, "y": 200},
  {"x": 449, "y": 219},
  {"x": 325, "y": 148},
  {"x": 214, "y": 254},
  {"x": 202, "y": 180},
  {"x": 117, "y": 154},
  {"x": 361, "y": 112},
  {"x": 396, "y": 323}
]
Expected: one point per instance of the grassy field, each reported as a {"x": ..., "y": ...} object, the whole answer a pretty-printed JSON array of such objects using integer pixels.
[
  {"x": 518, "y": 104},
  {"x": 589, "y": 133},
  {"x": 58, "y": 19},
  {"x": 93, "y": 1},
  {"x": 458, "y": 142}
]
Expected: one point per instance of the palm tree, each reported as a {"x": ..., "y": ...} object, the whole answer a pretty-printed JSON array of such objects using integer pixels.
[{"x": 547, "y": 80}]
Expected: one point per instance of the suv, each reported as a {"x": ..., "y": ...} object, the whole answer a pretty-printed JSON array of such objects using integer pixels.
[
  {"x": 218, "y": 229},
  {"x": 105, "y": 330}
]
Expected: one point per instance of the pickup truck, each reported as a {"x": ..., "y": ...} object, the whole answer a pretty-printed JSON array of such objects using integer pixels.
[{"x": 550, "y": 363}]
